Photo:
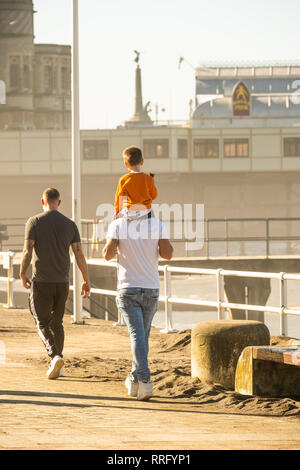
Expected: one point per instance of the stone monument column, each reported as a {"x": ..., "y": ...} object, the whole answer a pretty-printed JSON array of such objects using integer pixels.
[{"x": 140, "y": 117}]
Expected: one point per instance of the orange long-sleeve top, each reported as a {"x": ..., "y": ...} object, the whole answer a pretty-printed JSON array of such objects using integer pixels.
[{"x": 138, "y": 188}]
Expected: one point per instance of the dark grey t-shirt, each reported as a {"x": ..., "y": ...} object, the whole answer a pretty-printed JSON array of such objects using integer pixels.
[{"x": 53, "y": 234}]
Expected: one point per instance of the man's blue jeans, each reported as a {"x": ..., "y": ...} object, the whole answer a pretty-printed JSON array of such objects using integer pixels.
[{"x": 138, "y": 306}]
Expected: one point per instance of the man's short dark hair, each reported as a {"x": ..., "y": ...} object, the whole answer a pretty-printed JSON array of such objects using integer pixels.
[
  {"x": 51, "y": 194},
  {"x": 133, "y": 154}
]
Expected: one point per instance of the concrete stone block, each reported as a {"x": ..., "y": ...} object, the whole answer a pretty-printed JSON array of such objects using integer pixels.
[
  {"x": 216, "y": 347},
  {"x": 266, "y": 378}
]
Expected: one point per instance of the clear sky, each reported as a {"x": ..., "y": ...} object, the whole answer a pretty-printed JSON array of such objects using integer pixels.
[{"x": 163, "y": 30}]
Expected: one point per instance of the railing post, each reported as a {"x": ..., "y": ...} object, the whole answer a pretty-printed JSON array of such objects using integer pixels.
[
  {"x": 207, "y": 238},
  {"x": 106, "y": 307},
  {"x": 120, "y": 321},
  {"x": 267, "y": 238},
  {"x": 8, "y": 264},
  {"x": 283, "y": 304},
  {"x": 226, "y": 236},
  {"x": 220, "y": 293},
  {"x": 168, "y": 306},
  {"x": 246, "y": 301}
]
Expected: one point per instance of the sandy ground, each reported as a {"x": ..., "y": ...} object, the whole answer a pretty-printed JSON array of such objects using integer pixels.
[{"x": 89, "y": 408}]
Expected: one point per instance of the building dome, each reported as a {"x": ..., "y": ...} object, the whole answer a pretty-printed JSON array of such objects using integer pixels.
[{"x": 218, "y": 107}]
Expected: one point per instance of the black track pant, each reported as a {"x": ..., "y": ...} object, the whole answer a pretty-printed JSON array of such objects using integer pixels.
[{"x": 47, "y": 305}]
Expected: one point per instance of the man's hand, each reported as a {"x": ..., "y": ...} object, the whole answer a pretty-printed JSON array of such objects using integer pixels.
[
  {"x": 25, "y": 281},
  {"x": 25, "y": 262},
  {"x": 81, "y": 263},
  {"x": 85, "y": 289}
]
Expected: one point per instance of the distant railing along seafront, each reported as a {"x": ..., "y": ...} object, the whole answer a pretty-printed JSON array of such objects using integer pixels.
[{"x": 267, "y": 237}]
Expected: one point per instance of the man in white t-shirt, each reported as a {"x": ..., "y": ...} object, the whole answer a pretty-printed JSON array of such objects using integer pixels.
[{"x": 138, "y": 239}]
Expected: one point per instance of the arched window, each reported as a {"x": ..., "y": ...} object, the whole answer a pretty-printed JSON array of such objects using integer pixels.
[
  {"x": 26, "y": 77},
  {"x": 15, "y": 76},
  {"x": 48, "y": 78},
  {"x": 64, "y": 79}
]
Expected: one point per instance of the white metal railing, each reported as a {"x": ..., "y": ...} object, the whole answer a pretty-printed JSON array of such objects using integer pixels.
[
  {"x": 220, "y": 303},
  {"x": 8, "y": 262}
]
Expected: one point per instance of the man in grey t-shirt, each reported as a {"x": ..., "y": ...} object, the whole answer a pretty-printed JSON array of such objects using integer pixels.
[
  {"x": 48, "y": 236},
  {"x": 138, "y": 239}
]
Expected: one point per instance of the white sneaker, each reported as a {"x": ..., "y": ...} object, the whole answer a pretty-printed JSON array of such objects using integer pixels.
[
  {"x": 61, "y": 372},
  {"x": 132, "y": 387},
  {"x": 55, "y": 367},
  {"x": 145, "y": 391}
]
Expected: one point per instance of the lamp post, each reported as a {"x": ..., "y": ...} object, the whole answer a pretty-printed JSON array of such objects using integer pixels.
[
  {"x": 2, "y": 92},
  {"x": 76, "y": 173},
  {"x": 158, "y": 108}
]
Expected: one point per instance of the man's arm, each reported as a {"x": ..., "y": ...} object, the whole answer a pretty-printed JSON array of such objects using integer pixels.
[
  {"x": 26, "y": 260},
  {"x": 81, "y": 263},
  {"x": 110, "y": 249},
  {"x": 165, "y": 248}
]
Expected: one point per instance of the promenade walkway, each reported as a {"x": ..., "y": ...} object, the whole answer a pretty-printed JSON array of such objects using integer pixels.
[{"x": 88, "y": 408}]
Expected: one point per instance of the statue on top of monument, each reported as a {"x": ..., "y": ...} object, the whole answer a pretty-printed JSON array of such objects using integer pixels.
[
  {"x": 147, "y": 107},
  {"x": 137, "y": 58}
]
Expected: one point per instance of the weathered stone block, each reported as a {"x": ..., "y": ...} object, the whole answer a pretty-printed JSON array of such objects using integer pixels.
[
  {"x": 266, "y": 378},
  {"x": 216, "y": 347}
]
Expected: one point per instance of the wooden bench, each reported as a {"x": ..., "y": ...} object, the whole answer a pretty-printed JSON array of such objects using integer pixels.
[
  {"x": 284, "y": 355},
  {"x": 269, "y": 371}
]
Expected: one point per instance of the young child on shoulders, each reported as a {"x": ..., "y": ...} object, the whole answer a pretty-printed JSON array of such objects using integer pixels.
[{"x": 136, "y": 190}]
